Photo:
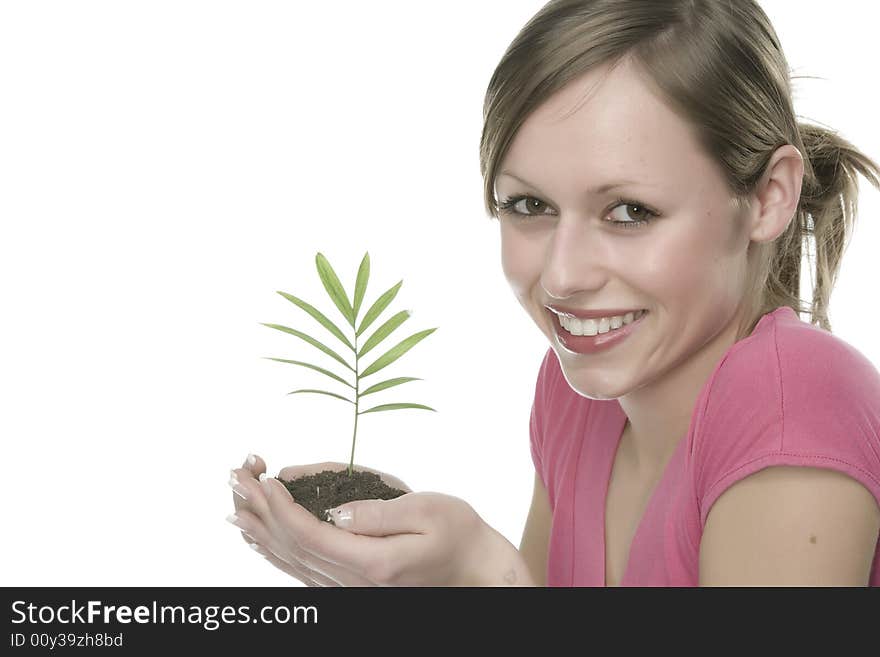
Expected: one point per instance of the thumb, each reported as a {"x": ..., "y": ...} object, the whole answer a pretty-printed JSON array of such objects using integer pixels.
[{"x": 378, "y": 517}]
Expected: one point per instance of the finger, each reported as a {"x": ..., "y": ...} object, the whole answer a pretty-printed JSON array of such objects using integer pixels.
[
  {"x": 284, "y": 548},
  {"x": 252, "y": 467},
  {"x": 254, "y": 464},
  {"x": 297, "y": 571},
  {"x": 257, "y": 536},
  {"x": 251, "y": 515},
  {"x": 337, "y": 552},
  {"x": 402, "y": 515},
  {"x": 247, "y": 491},
  {"x": 316, "y": 577},
  {"x": 239, "y": 492},
  {"x": 301, "y": 573},
  {"x": 255, "y": 511}
]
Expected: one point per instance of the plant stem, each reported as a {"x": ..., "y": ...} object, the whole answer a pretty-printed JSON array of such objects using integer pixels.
[{"x": 356, "y": 400}]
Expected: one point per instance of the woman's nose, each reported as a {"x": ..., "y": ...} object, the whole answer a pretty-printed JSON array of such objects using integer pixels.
[{"x": 575, "y": 263}]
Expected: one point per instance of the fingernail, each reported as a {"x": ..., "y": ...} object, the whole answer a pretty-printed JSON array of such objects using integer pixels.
[
  {"x": 233, "y": 519},
  {"x": 267, "y": 487},
  {"x": 340, "y": 516},
  {"x": 236, "y": 485},
  {"x": 251, "y": 459},
  {"x": 259, "y": 550}
]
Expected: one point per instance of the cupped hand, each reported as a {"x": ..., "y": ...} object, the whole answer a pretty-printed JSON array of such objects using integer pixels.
[{"x": 417, "y": 539}]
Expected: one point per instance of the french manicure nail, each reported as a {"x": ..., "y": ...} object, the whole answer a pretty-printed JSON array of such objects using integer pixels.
[
  {"x": 236, "y": 486},
  {"x": 341, "y": 517},
  {"x": 233, "y": 519},
  {"x": 251, "y": 459},
  {"x": 267, "y": 486}
]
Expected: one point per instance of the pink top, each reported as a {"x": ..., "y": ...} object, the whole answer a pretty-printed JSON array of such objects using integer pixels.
[{"x": 788, "y": 394}]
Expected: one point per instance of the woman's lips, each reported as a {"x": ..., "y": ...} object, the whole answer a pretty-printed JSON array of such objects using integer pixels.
[{"x": 590, "y": 344}]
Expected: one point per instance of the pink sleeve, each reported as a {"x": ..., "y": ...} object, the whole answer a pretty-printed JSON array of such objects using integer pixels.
[{"x": 802, "y": 398}]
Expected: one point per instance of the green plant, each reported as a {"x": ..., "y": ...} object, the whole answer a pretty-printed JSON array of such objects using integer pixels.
[{"x": 349, "y": 311}]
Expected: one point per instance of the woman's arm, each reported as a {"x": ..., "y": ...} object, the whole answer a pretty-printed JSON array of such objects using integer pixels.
[{"x": 791, "y": 526}]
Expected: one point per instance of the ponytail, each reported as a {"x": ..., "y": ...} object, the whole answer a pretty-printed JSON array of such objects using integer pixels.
[{"x": 826, "y": 212}]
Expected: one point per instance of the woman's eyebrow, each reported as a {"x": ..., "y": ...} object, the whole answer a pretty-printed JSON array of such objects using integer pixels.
[{"x": 601, "y": 189}]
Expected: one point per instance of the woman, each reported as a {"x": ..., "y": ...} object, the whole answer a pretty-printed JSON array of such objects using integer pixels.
[{"x": 653, "y": 189}]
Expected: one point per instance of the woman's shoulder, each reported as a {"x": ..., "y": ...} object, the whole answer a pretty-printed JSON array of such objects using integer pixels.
[
  {"x": 789, "y": 394},
  {"x": 791, "y": 387},
  {"x": 802, "y": 360}
]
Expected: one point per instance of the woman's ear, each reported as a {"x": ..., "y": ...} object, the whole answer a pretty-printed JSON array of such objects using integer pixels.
[{"x": 776, "y": 198}]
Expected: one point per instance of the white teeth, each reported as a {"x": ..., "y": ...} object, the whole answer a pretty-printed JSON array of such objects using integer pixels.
[{"x": 599, "y": 325}]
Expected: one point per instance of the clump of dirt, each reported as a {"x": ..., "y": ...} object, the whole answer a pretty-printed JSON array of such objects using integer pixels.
[{"x": 328, "y": 489}]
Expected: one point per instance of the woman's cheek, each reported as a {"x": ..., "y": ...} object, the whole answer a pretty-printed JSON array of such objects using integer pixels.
[{"x": 521, "y": 263}]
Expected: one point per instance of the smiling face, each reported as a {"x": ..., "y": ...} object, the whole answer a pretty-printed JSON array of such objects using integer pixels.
[{"x": 686, "y": 266}]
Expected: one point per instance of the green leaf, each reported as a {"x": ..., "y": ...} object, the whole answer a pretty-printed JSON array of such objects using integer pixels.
[
  {"x": 392, "y": 407},
  {"x": 396, "y": 352},
  {"x": 360, "y": 285},
  {"x": 377, "y": 308},
  {"x": 383, "y": 331},
  {"x": 387, "y": 384},
  {"x": 314, "y": 367},
  {"x": 311, "y": 341},
  {"x": 321, "y": 392},
  {"x": 334, "y": 287},
  {"x": 317, "y": 314}
]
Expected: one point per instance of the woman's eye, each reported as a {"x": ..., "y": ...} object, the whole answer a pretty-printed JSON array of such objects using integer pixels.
[
  {"x": 523, "y": 205},
  {"x": 632, "y": 213}
]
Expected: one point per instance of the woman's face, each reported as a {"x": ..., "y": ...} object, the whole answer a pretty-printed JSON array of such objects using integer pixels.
[{"x": 686, "y": 267}]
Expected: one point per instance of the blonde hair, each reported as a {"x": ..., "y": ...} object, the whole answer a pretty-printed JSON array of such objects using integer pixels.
[{"x": 719, "y": 65}]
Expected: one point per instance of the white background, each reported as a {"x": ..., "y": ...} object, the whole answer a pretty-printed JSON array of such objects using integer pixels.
[{"x": 165, "y": 167}]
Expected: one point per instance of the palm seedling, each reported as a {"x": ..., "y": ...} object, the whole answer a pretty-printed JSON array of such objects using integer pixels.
[{"x": 349, "y": 308}]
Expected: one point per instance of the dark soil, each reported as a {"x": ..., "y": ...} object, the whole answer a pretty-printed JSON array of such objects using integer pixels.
[{"x": 328, "y": 489}]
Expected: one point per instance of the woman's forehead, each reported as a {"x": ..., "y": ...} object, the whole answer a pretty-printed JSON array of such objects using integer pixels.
[{"x": 605, "y": 126}]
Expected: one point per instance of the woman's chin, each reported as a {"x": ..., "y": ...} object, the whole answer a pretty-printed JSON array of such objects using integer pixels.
[{"x": 596, "y": 391}]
